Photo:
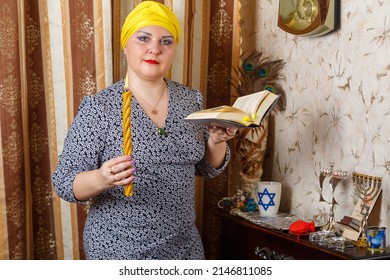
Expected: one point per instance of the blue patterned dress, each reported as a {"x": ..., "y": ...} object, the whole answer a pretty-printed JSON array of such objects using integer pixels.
[{"x": 158, "y": 222}]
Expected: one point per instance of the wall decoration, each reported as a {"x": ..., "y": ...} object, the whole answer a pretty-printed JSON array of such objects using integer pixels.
[{"x": 309, "y": 18}]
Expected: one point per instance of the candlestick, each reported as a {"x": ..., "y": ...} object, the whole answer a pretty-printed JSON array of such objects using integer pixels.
[
  {"x": 334, "y": 176},
  {"x": 367, "y": 188}
]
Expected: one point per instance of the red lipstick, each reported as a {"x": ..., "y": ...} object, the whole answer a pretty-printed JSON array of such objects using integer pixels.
[{"x": 151, "y": 61}]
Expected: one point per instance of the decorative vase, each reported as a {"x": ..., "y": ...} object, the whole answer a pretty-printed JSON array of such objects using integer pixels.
[{"x": 250, "y": 146}]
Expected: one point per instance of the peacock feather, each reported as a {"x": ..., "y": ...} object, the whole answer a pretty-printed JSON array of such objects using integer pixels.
[{"x": 258, "y": 73}]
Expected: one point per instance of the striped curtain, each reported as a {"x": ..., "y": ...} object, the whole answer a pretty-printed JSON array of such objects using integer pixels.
[{"x": 52, "y": 54}]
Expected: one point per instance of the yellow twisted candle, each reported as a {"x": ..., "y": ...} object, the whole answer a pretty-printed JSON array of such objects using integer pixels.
[{"x": 126, "y": 116}]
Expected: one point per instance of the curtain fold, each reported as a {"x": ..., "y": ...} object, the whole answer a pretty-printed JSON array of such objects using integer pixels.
[
  {"x": 223, "y": 55},
  {"x": 52, "y": 54},
  {"x": 16, "y": 220}
]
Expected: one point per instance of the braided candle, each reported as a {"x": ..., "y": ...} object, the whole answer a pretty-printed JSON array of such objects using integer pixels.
[{"x": 127, "y": 147}]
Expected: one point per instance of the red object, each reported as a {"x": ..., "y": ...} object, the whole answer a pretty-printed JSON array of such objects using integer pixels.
[{"x": 301, "y": 227}]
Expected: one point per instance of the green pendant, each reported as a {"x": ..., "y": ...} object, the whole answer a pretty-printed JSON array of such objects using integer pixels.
[{"x": 161, "y": 131}]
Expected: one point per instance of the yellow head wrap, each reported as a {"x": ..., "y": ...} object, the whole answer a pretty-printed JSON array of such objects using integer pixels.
[{"x": 150, "y": 13}]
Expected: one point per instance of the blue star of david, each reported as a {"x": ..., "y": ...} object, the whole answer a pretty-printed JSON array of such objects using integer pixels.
[{"x": 271, "y": 199}]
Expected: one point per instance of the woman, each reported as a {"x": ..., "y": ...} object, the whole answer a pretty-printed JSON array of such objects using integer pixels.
[{"x": 157, "y": 221}]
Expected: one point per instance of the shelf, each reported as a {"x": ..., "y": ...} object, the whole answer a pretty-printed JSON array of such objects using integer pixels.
[{"x": 241, "y": 238}]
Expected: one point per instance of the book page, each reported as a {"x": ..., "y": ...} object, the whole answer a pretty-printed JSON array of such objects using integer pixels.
[
  {"x": 250, "y": 103},
  {"x": 265, "y": 106},
  {"x": 217, "y": 122},
  {"x": 247, "y": 111},
  {"x": 223, "y": 116}
]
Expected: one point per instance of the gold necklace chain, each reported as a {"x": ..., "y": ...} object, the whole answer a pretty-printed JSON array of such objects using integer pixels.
[{"x": 154, "y": 110}]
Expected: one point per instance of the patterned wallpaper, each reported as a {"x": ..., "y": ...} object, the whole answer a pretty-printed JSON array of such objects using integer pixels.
[{"x": 338, "y": 104}]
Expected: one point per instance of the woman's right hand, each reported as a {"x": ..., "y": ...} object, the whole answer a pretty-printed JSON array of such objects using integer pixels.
[{"x": 118, "y": 171}]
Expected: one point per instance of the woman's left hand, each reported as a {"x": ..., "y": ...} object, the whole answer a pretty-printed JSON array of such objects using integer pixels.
[{"x": 221, "y": 134}]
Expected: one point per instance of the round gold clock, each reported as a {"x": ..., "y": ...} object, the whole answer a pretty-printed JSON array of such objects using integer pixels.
[{"x": 307, "y": 17}]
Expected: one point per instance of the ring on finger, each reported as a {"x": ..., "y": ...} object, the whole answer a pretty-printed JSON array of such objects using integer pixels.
[{"x": 112, "y": 172}]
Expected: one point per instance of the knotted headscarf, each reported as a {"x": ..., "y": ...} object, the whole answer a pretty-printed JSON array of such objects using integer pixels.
[{"x": 150, "y": 13}]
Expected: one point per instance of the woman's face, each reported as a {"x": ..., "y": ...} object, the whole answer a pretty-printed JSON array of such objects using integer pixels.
[{"x": 150, "y": 52}]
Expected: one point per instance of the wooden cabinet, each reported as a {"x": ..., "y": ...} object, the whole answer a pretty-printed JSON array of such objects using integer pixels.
[{"x": 242, "y": 239}]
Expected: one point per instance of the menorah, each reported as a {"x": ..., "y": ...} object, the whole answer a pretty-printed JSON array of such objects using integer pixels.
[
  {"x": 366, "y": 188},
  {"x": 335, "y": 176}
]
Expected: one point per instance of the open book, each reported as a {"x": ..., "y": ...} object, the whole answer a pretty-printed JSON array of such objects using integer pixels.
[{"x": 248, "y": 111}]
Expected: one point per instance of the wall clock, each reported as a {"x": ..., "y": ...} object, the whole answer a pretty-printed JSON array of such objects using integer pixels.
[{"x": 309, "y": 18}]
